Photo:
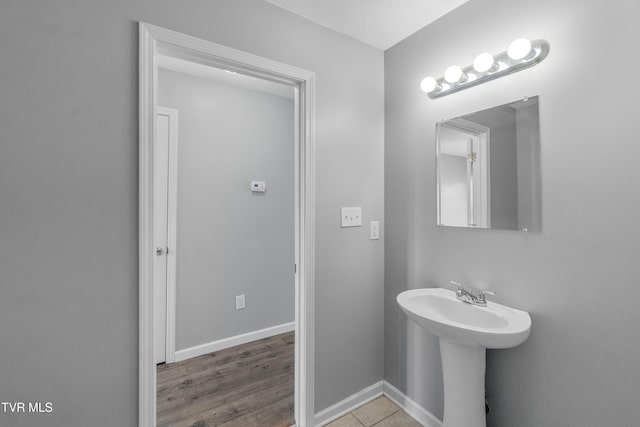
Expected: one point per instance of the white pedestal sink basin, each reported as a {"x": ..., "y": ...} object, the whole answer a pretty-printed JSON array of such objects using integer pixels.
[{"x": 465, "y": 332}]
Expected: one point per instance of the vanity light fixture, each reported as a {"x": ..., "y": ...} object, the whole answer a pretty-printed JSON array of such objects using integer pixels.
[
  {"x": 519, "y": 49},
  {"x": 521, "y": 53},
  {"x": 454, "y": 75},
  {"x": 429, "y": 84},
  {"x": 484, "y": 62}
]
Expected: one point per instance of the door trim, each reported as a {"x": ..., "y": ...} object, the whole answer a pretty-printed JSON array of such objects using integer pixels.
[{"x": 152, "y": 41}]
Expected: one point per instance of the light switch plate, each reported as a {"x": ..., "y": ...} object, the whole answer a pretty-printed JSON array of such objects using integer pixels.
[
  {"x": 375, "y": 230},
  {"x": 240, "y": 302},
  {"x": 351, "y": 217}
]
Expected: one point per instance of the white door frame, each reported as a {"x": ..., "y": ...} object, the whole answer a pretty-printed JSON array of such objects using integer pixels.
[{"x": 152, "y": 41}]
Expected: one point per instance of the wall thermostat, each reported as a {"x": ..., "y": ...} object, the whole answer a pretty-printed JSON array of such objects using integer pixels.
[{"x": 258, "y": 186}]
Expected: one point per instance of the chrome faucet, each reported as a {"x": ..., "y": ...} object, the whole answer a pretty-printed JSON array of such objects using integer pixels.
[{"x": 471, "y": 296}]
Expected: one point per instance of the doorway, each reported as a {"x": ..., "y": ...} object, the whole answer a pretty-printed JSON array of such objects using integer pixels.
[
  {"x": 233, "y": 253},
  {"x": 464, "y": 190},
  {"x": 155, "y": 41}
]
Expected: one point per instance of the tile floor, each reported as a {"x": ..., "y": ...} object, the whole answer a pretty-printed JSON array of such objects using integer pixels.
[{"x": 380, "y": 412}]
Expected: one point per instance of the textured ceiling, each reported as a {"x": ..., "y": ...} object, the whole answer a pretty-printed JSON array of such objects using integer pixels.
[{"x": 379, "y": 23}]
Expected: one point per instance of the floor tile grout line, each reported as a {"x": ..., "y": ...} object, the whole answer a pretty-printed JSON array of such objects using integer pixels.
[
  {"x": 356, "y": 418},
  {"x": 398, "y": 409},
  {"x": 391, "y": 414}
]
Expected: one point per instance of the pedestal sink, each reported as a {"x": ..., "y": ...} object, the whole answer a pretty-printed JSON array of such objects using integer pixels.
[{"x": 465, "y": 332}]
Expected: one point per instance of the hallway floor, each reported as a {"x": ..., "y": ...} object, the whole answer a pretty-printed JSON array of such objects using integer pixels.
[
  {"x": 380, "y": 412},
  {"x": 250, "y": 385}
]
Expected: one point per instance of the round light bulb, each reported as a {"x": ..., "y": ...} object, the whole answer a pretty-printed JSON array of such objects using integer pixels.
[
  {"x": 519, "y": 49},
  {"x": 483, "y": 62},
  {"x": 453, "y": 74},
  {"x": 428, "y": 84}
]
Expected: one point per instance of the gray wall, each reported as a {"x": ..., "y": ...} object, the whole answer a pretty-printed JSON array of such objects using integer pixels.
[
  {"x": 69, "y": 197},
  {"x": 578, "y": 277},
  {"x": 231, "y": 241}
]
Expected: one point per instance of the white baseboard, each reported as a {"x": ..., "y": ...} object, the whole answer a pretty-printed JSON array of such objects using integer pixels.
[
  {"x": 218, "y": 345},
  {"x": 417, "y": 412},
  {"x": 349, "y": 404}
]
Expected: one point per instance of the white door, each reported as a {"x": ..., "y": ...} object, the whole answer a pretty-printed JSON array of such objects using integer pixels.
[{"x": 164, "y": 162}]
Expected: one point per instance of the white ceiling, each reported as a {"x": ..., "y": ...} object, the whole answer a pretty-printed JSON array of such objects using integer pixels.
[{"x": 379, "y": 23}]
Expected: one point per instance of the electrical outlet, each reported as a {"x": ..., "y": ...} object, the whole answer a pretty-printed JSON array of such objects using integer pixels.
[
  {"x": 240, "y": 303},
  {"x": 350, "y": 217}
]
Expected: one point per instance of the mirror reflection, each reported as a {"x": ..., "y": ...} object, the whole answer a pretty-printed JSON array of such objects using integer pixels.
[{"x": 488, "y": 168}]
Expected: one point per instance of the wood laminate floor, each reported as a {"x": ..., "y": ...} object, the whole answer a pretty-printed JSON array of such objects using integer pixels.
[{"x": 250, "y": 385}]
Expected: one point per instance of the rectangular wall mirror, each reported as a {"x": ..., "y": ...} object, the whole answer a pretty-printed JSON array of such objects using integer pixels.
[{"x": 488, "y": 168}]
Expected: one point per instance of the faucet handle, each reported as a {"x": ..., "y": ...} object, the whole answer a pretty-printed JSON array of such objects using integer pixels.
[
  {"x": 460, "y": 291},
  {"x": 460, "y": 287},
  {"x": 479, "y": 292},
  {"x": 483, "y": 294}
]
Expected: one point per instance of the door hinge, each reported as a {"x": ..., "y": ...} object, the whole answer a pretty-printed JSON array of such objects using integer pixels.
[{"x": 295, "y": 268}]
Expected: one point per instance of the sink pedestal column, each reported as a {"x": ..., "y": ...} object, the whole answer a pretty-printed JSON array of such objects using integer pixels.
[{"x": 463, "y": 370}]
